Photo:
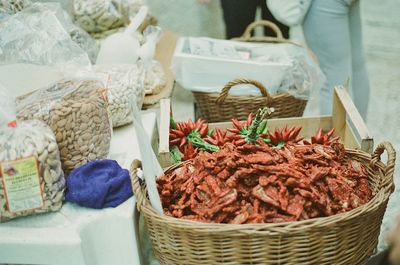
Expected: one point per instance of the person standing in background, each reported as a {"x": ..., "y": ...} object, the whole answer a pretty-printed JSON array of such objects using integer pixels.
[
  {"x": 332, "y": 29},
  {"x": 238, "y": 14}
]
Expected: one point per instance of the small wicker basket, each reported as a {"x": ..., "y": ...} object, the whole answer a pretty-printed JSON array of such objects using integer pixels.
[
  {"x": 221, "y": 107},
  {"x": 346, "y": 238},
  {"x": 214, "y": 107}
]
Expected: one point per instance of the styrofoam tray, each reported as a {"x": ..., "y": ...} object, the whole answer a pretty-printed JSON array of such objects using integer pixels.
[{"x": 207, "y": 73}]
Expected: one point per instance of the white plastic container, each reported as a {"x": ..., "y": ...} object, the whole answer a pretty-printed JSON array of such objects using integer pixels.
[{"x": 206, "y": 65}]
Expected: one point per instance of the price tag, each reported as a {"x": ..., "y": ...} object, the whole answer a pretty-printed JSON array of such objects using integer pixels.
[{"x": 21, "y": 184}]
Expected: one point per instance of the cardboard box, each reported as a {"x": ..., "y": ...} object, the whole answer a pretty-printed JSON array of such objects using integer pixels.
[
  {"x": 164, "y": 52},
  {"x": 345, "y": 118}
]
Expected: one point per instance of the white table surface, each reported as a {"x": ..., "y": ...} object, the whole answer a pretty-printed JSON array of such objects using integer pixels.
[{"x": 77, "y": 235}]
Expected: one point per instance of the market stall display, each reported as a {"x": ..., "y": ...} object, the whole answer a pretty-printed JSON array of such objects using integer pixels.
[
  {"x": 312, "y": 240},
  {"x": 125, "y": 86},
  {"x": 247, "y": 181},
  {"x": 76, "y": 111}
]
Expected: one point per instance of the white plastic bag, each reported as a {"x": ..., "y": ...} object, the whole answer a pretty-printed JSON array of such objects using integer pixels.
[
  {"x": 36, "y": 36},
  {"x": 30, "y": 167},
  {"x": 122, "y": 47},
  {"x": 125, "y": 87}
]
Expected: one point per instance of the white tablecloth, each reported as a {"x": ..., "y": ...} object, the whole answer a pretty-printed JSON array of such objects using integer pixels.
[{"x": 77, "y": 235}]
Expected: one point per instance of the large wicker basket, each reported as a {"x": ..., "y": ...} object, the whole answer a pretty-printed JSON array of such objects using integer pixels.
[
  {"x": 215, "y": 107},
  {"x": 348, "y": 238}
]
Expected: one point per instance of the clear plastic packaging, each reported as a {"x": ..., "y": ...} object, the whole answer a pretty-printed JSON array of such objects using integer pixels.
[
  {"x": 76, "y": 111},
  {"x": 30, "y": 167},
  {"x": 98, "y": 15},
  {"x": 77, "y": 34},
  {"x": 36, "y": 36},
  {"x": 102, "y": 18},
  {"x": 304, "y": 76},
  {"x": 207, "y": 65},
  {"x": 11, "y": 7},
  {"x": 155, "y": 78},
  {"x": 125, "y": 87}
]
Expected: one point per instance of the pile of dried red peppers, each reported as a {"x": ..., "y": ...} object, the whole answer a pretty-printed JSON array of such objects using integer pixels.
[{"x": 249, "y": 175}]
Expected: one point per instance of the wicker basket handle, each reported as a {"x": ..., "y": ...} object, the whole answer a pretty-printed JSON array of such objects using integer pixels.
[
  {"x": 136, "y": 186},
  {"x": 227, "y": 87},
  {"x": 246, "y": 37},
  {"x": 265, "y": 23},
  {"x": 391, "y": 162}
]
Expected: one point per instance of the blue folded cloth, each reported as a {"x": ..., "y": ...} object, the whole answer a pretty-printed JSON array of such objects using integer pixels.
[{"x": 99, "y": 184}]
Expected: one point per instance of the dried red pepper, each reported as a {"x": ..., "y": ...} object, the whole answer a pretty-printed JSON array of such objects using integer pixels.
[{"x": 257, "y": 183}]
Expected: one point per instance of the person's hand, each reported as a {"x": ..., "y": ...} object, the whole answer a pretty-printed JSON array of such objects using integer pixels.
[
  {"x": 203, "y": 2},
  {"x": 393, "y": 239}
]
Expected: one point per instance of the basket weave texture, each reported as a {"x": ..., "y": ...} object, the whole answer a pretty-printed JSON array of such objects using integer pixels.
[
  {"x": 222, "y": 107},
  {"x": 346, "y": 238},
  {"x": 216, "y": 107}
]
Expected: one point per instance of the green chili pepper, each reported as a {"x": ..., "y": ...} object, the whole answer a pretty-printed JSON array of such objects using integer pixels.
[
  {"x": 262, "y": 126},
  {"x": 267, "y": 140},
  {"x": 175, "y": 154},
  {"x": 195, "y": 138},
  {"x": 172, "y": 123}
]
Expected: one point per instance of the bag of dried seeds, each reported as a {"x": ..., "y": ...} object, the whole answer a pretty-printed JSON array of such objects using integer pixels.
[
  {"x": 32, "y": 180},
  {"x": 98, "y": 15},
  {"x": 155, "y": 78},
  {"x": 125, "y": 87},
  {"x": 76, "y": 111}
]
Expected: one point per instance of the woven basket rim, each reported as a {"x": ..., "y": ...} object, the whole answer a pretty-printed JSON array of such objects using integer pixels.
[
  {"x": 269, "y": 228},
  {"x": 273, "y": 96},
  {"x": 380, "y": 197}
]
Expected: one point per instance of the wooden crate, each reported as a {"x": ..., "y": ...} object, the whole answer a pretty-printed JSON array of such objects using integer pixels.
[{"x": 345, "y": 119}]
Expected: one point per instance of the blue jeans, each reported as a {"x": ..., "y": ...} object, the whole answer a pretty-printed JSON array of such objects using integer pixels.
[{"x": 332, "y": 29}]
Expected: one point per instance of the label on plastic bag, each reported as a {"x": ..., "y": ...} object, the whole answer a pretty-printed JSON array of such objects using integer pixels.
[{"x": 21, "y": 184}]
